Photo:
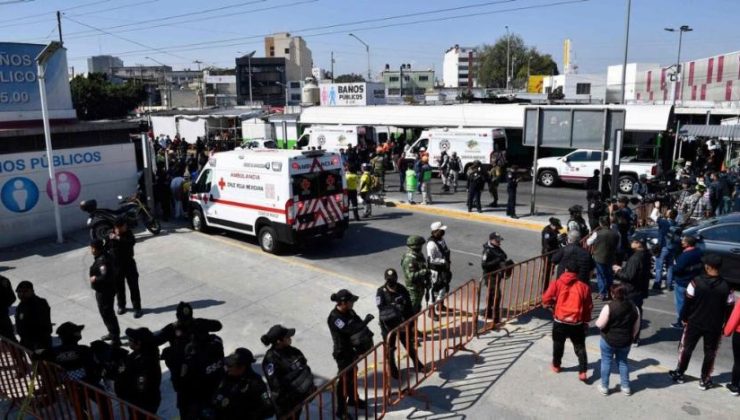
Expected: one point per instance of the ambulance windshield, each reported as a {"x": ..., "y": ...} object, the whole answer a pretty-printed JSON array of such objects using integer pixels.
[{"x": 317, "y": 184}]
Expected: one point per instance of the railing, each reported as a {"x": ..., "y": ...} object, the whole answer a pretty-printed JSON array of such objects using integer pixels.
[
  {"x": 514, "y": 291},
  {"x": 43, "y": 390}
]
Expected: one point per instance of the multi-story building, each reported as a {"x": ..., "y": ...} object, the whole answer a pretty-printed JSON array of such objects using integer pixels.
[
  {"x": 269, "y": 80},
  {"x": 141, "y": 73},
  {"x": 220, "y": 90},
  {"x": 293, "y": 49},
  {"x": 406, "y": 82},
  {"x": 458, "y": 68},
  {"x": 103, "y": 64}
]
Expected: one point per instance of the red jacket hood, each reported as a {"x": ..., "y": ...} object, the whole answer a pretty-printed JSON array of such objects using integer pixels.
[{"x": 568, "y": 277}]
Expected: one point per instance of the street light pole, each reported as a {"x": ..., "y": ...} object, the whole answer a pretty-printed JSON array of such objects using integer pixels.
[
  {"x": 41, "y": 60},
  {"x": 367, "y": 48},
  {"x": 164, "y": 81},
  {"x": 677, "y": 90},
  {"x": 508, "y": 57},
  {"x": 626, "y": 48}
]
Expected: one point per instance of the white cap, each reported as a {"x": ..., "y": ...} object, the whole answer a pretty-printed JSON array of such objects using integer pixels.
[{"x": 438, "y": 226}]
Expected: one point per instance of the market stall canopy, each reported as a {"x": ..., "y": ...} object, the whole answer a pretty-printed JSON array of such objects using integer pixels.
[{"x": 713, "y": 131}]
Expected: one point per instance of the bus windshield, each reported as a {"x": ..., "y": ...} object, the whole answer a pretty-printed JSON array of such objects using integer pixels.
[{"x": 317, "y": 184}]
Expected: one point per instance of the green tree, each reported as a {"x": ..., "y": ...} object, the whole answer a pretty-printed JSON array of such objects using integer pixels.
[
  {"x": 95, "y": 97},
  {"x": 491, "y": 71},
  {"x": 349, "y": 78}
]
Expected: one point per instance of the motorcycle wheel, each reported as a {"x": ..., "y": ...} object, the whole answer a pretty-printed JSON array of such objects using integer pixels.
[
  {"x": 101, "y": 230},
  {"x": 154, "y": 227}
]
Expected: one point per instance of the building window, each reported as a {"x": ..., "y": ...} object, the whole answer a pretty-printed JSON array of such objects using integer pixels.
[
  {"x": 393, "y": 79},
  {"x": 272, "y": 51},
  {"x": 287, "y": 50},
  {"x": 295, "y": 97},
  {"x": 583, "y": 88},
  {"x": 423, "y": 78},
  {"x": 419, "y": 91},
  {"x": 394, "y": 92},
  {"x": 462, "y": 67},
  {"x": 406, "y": 78},
  {"x": 295, "y": 85},
  {"x": 463, "y": 60},
  {"x": 463, "y": 83}
]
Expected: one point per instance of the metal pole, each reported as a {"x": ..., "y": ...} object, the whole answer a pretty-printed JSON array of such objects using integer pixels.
[
  {"x": 369, "y": 70},
  {"x": 626, "y": 48},
  {"x": 249, "y": 63},
  {"x": 604, "y": 136},
  {"x": 285, "y": 132},
  {"x": 332, "y": 66},
  {"x": 677, "y": 88},
  {"x": 616, "y": 157},
  {"x": 534, "y": 170},
  {"x": 678, "y": 139},
  {"x": 59, "y": 27},
  {"x": 400, "y": 94},
  {"x": 49, "y": 155},
  {"x": 147, "y": 171}
]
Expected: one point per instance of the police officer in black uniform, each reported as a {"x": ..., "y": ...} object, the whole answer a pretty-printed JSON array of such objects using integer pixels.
[
  {"x": 351, "y": 338},
  {"x": 242, "y": 394},
  {"x": 32, "y": 318},
  {"x": 493, "y": 259},
  {"x": 140, "y": 376},
  {"x": 597, "y": 208},
  {"x": 121, "y": 243},
  {"x": 512, "y": 182},
  {"x": 394, "y": 307},
  {"x": 551, "y": 236},
  {"x": 7, "y": 298},
  {"x": 178, "y": 335},
  {"x": 201, "y": 372},
  {"x": 102, "y": 280},
  {"x": 576, "y": 221}
]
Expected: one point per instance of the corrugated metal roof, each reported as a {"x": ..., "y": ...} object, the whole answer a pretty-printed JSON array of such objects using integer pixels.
[{"x": 715, "y": 131}]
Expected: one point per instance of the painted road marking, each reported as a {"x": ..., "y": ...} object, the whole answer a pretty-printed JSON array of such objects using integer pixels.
[{"x": 478, "y": 217}]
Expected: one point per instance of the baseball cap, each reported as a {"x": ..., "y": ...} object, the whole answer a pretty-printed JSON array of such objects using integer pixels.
[
  {"x": 438, "y": 226},
  {"x": 344, "y": 295},
  {"x": 495, "y": 236},
  {"x": 712, "y": 260},
  {"x": 240, "y": 357},
  {"x": 390, "y": 274},
  {"x": 68, "y": 329},
  {"x": 278, "y": 332},
  {"x": 555, "y": 222}
]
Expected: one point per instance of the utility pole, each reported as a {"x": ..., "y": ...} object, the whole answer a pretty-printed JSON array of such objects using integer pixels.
[
  {"x": 367, "y": 49},
  {"x": 677, "y": 89},
  {"x": 201, "y": 95},
  {"x": 332, "y": 66},
  {"x": 508, "y": 57},
  {"x": 626, "y": 47},
  {"x": 59, "y": 27}
]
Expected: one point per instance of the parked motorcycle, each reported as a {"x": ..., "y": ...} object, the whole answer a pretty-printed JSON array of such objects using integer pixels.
[{"x": 101, "y": 221}]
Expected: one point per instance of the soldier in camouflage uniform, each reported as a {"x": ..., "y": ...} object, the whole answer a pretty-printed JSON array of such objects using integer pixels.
[{"x": 415, "y": 271}]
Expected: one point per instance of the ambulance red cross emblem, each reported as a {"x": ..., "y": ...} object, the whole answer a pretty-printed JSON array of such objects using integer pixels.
[{"x": 221, "y": 184}]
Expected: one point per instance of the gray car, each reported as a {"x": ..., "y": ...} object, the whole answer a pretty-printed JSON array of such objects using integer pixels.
[{"x": 718, "y": 235}]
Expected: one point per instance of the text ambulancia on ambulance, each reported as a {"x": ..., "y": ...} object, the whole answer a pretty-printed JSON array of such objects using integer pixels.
[{"x": 280, "y": 196}]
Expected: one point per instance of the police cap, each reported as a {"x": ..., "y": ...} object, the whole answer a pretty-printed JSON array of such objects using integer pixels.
[
  {"x": 390, "y": 274},
  {"x": 343, "y": 295},
  {"x": 69, "y": 329},
  {"x": 240, "y": 357},
  {"x": 141, "y": 335},
  {"x": 555, "y": 222},
  {"x": 277, "y": 332}
]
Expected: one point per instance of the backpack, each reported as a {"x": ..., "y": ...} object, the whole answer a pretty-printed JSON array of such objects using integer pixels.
[{"x": 568, "y": 306}]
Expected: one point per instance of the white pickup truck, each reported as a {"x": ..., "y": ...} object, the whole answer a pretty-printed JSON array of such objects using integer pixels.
[{"x": 579, "y": 165}]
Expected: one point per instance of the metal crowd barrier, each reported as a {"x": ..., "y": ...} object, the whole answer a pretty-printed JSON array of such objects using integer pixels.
[
  {"x": 515, "y": 290},
  {"x": 365, "y": 379},
  {"x": 42, "y": 390}
]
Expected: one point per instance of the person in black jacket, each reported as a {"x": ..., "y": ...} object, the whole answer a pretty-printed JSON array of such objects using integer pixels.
[
  {"x": 7, "y": 298},
  {"x": 551, "y": 236},
  {"x": 709, "y": 301},
  {"x": 635, "y": 276},
  {"x": 574, "y": 252},
  {"x": 32, "y": 318},
  {"x": 140, "y": 375},
  {"x": 476, "y": 182},
  {"x": 102, "y": 280},
  {"x": 121, "y": 244},
  {"x": 201, "y": 373},
  {"x": 394, "y": 307},
  {"x": 286, "y": 370},
  {"x": 178, "y": 334},
  {"x": 352, "y": 338},
  {"x": 493, "y": 259},
  {"x": 242, "y": 394}
]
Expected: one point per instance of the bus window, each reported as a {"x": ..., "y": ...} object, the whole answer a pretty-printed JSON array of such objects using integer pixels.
[{"x": 303, "y": 141}]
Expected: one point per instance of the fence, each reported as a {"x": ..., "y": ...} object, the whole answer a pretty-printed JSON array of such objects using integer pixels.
[
  {"x": 513, "y": 291},
  {"x": 43, "y": 390}
]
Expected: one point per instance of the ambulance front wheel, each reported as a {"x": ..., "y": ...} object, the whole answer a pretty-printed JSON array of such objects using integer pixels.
[
  {"x": 268, "y": 240},
  {"x": 198, "y": 222}
]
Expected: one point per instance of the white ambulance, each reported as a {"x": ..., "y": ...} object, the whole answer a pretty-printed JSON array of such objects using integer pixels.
[
  {"x": 335, "y": 137},
  {"x": 471, "y": 144},
  {"x": 280, "y": 196}
]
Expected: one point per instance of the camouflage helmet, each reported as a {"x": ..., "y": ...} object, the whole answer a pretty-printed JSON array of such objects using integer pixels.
[{"x": 415, "y": 241}]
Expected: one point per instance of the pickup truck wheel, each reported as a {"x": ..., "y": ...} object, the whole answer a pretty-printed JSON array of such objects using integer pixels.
[
  {"x": 547, "y": 178},
  {"x": 625, "y": 184}
]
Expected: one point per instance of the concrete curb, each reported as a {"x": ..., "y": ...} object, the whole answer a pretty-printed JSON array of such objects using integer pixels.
[{"x": 478, "y": 217}]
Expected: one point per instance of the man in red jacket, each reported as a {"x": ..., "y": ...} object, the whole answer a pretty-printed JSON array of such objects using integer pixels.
[{"x": 573, "y": 306}]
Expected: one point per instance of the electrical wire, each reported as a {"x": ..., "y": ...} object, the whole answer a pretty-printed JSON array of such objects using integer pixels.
[
  {"x": 52, "y": 15},
  {"x": 35, "y": 15}
]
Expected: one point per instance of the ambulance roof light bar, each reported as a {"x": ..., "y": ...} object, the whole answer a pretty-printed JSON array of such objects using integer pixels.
[{"x": 312, "y": 153}]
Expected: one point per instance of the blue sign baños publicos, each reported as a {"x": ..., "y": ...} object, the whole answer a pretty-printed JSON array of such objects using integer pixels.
[{"x": 19, "y": 87}]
